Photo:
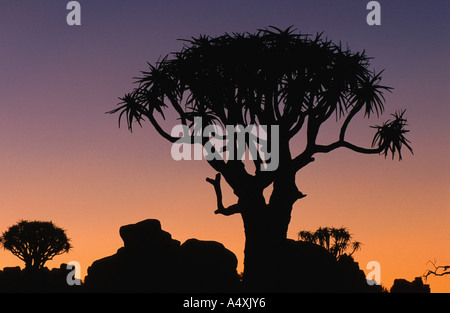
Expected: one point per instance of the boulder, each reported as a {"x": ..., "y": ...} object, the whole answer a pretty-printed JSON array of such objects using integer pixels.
[
  {"x": 14, "y": 279},
  {"x": 307, "y": 267},
  {"x": 146, "y": 234},
  {"x": 147, "y": 262},
  {"x": 207, "y": 266},
  {"x": 404, "y": 286},
  {"x": 151, "y": 261}
]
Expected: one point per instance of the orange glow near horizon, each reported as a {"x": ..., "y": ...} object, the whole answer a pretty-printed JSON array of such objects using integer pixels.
[
  {"x": 91, "y": 200},
  {"x": 62, "y": 159}
]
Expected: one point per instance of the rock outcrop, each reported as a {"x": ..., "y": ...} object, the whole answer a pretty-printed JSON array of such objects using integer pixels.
[
  {"x": 404, "y": 286},
  {"x": 151, "y": 261}
]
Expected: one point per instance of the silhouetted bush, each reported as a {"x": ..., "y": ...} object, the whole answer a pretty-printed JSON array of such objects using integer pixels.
[
  {"x": 338, "y": 241},
  {"x": 35, "y": 242}
]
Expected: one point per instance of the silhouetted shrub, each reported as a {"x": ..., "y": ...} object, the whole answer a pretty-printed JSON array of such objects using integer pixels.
[{"x": 35, "y": 242}]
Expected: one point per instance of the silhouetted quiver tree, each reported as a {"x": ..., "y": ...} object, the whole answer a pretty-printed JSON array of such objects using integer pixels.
[
  {"x": 272, "y": 77},
  {"x": 338, "y": 241},
  {"x": 35, "y": 242}
]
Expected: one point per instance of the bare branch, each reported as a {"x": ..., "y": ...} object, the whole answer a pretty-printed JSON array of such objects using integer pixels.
[
  {"x": 345, "y": 144},
  {"x": 233, "y": 209},
  {"x": 160, "y": 130},
  {"x": 216, "y": 183},
  {"x": 439, "y": 270},
  {"x": 302, "y": 160},
  {"x": 178, "y": 108},
  {"x": 347, "y": 120},
  {"x": 296, "y": 128}
]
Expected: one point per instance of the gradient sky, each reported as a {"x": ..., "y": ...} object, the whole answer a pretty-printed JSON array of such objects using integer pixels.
[{"x": 63, "y": 159}]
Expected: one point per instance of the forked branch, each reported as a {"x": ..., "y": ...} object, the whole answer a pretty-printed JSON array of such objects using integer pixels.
[
  {"x": 439, "y": 270},
  {"x": 232, "y": 209}
]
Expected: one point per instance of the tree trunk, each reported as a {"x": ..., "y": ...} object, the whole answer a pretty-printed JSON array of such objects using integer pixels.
[
  {"x": 265, "y": 236},
  {"x": 266, "y": 227}
]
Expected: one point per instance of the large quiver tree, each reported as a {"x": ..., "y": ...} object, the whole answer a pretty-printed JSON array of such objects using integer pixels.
[{"x": 273, "y": 77}]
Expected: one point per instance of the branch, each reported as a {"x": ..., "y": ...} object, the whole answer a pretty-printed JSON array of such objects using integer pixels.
[
  {"x": 294, "y": 130},
  {"x": 178, "y": 108},
  {"x": 233, "y": 209},
  {"x": 345, "y": 144},
  {"x": 349, "y": 117},
  {"x": 445, "y": 270},
  {"x": 302, "y": 160},
  {"x": 159, "y": 129}
]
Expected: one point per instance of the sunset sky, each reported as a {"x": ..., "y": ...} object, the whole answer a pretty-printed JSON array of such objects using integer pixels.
[{"x": 63, "y": 159}]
